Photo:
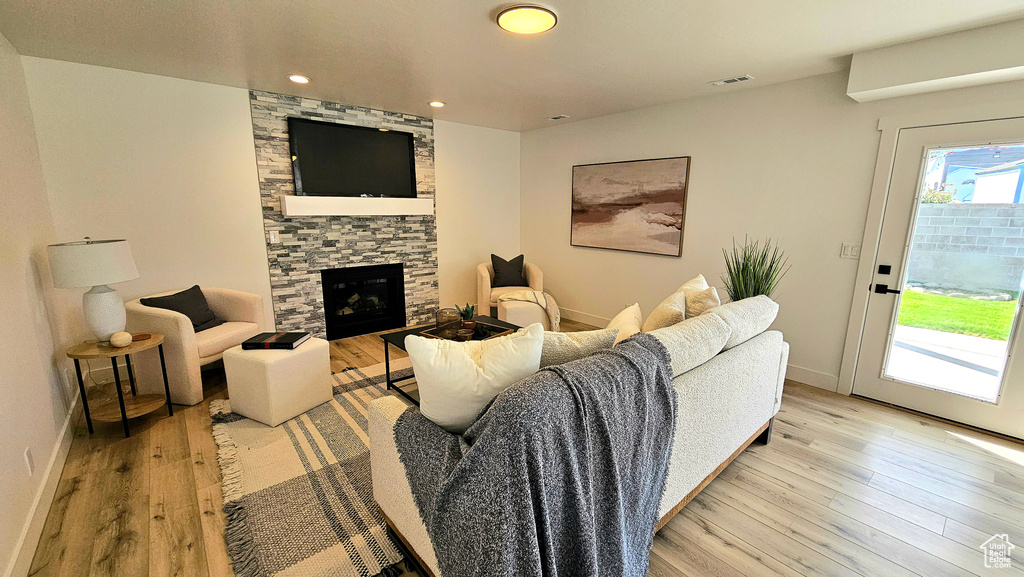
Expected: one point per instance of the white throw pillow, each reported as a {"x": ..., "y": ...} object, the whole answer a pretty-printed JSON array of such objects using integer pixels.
[
  {"x": 627, "y": 322},
  {"x": 699, "y": 296},
  {"x": 457, "y": 380},
  {"x": 564, "y": 347},
  {"x": 670, "y": 311},
  {"x": 701, "y": 302},
  {"x": 692, "y": 299},
  {"x": 695, "y": 284}
]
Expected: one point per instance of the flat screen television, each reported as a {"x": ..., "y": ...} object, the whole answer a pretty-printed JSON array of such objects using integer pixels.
[{"x": 330, "y": 159}]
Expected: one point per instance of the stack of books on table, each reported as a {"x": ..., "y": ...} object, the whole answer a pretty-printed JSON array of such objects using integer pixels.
[{"x": 275, "y": 341}]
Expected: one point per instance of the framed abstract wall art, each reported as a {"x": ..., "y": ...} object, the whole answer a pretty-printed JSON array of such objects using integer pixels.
[{"x": 637, "y": 205}]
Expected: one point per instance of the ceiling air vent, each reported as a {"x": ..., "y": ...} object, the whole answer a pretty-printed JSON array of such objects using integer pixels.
[{"x": 734, "y": 80}]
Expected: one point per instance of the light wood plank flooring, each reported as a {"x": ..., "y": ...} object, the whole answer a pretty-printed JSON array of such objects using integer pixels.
[
  {"x": 847, "y": 487},
  {"x": 851, "y": 487}
]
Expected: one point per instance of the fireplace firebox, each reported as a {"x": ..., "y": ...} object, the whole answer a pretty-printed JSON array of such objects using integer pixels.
[{"x": 363, "y": 299}]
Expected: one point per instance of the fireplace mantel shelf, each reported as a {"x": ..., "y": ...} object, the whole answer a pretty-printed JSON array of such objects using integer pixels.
[{"x": 292, "y": 206}]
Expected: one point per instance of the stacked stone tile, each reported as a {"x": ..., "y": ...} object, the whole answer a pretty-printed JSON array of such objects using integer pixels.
[{"x": 307, "y": 245}]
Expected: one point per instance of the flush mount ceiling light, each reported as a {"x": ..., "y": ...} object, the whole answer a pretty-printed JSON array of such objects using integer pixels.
[
  {"x": 527, "y": 19},
  {"x": 299, "y": 79},
  {"x": 437, "y": 104}
]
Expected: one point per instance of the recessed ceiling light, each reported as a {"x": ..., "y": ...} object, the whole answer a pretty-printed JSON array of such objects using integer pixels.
[
  {"x": 527, "y": 19},
  {"x": 299, "y": 79},
  {"x": 437, "y": 104},
  {"x": 559, "y": 117}
]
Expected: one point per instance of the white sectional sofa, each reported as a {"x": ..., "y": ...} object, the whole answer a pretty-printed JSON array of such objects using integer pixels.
[{"x": 729, "y": 373}]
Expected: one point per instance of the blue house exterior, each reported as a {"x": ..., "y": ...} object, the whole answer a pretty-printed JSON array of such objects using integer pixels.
[
  {"x": 984, "y": 174},
  {"x": 962, "y": 179}
]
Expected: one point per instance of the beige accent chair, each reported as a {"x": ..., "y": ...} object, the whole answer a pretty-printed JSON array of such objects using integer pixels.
[
  {"x": 487, "y": 297},
  {"x": 185, "y": 350}
]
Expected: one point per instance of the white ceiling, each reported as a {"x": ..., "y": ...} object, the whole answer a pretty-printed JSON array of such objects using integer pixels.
[{"x": 603, "y": 57}]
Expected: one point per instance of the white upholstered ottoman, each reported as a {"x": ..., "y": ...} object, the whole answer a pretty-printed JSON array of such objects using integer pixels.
[
  {"x": 272, "y": 386},
  {"x": 523, "y": 314}
]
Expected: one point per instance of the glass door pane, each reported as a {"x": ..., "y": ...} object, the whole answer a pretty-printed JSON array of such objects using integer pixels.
[{"x": 963, "y": 273}]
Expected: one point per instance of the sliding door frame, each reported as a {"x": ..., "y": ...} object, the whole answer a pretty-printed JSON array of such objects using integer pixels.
[{"x": 890, "y": 128}]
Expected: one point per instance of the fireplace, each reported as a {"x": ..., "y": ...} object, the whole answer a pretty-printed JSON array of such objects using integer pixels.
[{"x": 363, "y": 299}]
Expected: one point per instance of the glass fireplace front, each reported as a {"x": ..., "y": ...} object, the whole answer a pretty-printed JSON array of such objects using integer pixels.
[{"x": 363, "y": 299}]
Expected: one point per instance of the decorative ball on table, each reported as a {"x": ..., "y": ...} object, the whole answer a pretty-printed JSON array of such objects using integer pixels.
[{"x": 121, "y": 339}]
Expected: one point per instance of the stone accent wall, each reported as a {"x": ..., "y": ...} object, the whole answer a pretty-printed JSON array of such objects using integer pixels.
[
  {"x": 308, "y": 245},
  {"x": 974, "y": 247}
]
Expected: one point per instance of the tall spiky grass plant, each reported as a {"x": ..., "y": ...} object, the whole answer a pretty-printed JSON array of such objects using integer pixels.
[{"x": 753, "y": 269}]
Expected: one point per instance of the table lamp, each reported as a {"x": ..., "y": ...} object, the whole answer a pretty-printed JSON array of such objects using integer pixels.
[{"x": 95, "y": 263}]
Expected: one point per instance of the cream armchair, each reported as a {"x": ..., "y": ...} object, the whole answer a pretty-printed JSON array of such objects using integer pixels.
[
  {"x": 186, "y": 351},
  {"x": 487, "y": 297}
]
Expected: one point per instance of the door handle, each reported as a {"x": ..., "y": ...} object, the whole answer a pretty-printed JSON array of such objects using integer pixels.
[{"x": 883, "y": 289}]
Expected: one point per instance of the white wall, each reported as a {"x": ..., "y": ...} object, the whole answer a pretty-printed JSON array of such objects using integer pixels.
[
  {"x": 973, "y": 57},
  {"x": 793, "y": 161},
  {"x": 477, "y": 177},
  {"x": 34, "y": 400},
  {"x": 168, "y": 164}
]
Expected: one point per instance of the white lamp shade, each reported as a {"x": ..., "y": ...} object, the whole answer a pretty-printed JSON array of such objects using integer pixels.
[{"x": 89, "y": 263}]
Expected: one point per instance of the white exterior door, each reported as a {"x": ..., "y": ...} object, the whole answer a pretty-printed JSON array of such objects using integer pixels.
[{"x": 941, "y": 334}]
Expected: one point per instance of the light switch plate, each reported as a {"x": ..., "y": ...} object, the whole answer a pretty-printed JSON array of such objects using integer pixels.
[
  {"x": 273, "y": 236},
  {"x": 850, "y": 250}
]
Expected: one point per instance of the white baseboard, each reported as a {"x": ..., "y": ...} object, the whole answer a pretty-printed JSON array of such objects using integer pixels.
[
  {"x": 813, "y": 378},
  {"x": 583, "y": 317},
  {"x": 25, "y": 548}
]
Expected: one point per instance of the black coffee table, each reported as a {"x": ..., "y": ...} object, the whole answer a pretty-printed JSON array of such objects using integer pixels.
[{"x": 397, "y": 339}]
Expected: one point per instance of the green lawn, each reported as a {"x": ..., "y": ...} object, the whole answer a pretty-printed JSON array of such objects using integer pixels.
[{"x": 989, "y": 319}]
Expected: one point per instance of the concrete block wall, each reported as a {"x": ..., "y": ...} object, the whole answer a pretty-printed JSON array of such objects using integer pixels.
[{"x": 974, "y": 247}]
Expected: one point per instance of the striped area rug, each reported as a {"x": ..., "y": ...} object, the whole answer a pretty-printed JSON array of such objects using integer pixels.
[{"x": 298, "y": 497}]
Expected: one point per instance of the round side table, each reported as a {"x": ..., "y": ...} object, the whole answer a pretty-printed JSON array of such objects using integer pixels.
[{"x": 134, "y": 406}]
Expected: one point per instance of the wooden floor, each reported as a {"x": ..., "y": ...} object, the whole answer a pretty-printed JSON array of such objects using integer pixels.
[
  {"x": 847, "y": 487},
  {"x": 851, "y": 487}
]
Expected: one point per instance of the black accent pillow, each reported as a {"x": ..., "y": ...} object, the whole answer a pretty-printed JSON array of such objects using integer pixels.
[
  {"x": 189, "y": 302},
  {"x": 508, "y": 272}
]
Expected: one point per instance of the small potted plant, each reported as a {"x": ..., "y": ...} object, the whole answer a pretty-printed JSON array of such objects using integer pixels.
[{"x": 467, "y": 313}]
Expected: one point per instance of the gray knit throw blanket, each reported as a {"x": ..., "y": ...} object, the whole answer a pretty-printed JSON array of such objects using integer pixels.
[{"x": 561, "y": 475}]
